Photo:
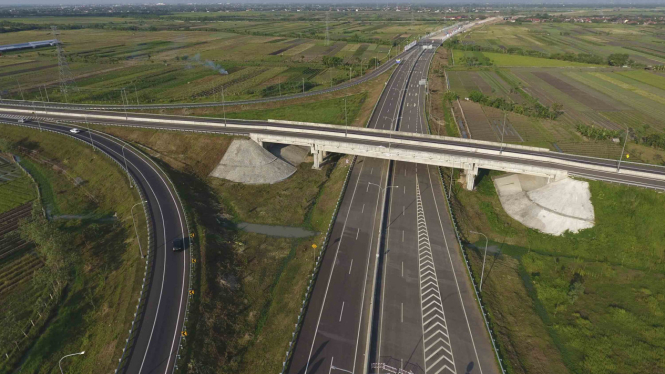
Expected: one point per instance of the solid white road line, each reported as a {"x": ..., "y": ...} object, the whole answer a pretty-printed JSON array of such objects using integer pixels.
[{"x": 325, "y": 295}]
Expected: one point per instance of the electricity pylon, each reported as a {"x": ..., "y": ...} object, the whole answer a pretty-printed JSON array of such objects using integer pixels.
[{"x": 65, "y": 75}]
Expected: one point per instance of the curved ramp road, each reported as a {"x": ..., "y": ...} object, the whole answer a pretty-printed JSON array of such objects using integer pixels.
[{"x": 155, "y": 347}]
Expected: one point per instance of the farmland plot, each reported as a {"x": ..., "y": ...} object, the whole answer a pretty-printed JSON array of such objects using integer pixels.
[
  {"x": 18, "y": 263},
  {"x": 15, "y": 187},
  {"x": 598, "y": 39},
  {"x": 479, "y": 125},
  {"x": 169, "y": 66}
]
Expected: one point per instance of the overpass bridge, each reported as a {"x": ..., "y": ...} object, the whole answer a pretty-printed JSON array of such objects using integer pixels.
[{"x": 469, "y": 155}]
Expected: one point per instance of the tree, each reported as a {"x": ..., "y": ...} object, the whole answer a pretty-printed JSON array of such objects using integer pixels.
[
  {"x": 617, "y": 59},
  {"x": 450, "y": 96},
  {"x": 476, "y": 96},
  {"x": 555, "y": 110}
]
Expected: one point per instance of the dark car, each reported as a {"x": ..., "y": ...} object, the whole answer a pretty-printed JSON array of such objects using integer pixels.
[{"x": 178, "y": 245}]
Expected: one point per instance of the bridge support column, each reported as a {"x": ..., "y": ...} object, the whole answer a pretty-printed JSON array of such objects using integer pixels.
[
  {"x": 318, "y": 156},
  {"x": 470, "y": 174}
]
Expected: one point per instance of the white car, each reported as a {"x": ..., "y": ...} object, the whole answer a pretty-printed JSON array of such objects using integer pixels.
[{"x": 74, "y": 130}]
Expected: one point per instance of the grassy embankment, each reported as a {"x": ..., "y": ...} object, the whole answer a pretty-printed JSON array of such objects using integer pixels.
[
  {"x": 96, "y": 307},
  {"x": 248, "y": 286},
  {"x": 590, "y": 302}
]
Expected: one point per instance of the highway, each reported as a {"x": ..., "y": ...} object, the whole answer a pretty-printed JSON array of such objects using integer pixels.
[
  {"x": 155, "y": 345},
  {"x": 636, "y": 174},
  {"x": 341, "y": 314},
  {"x": 429, "y": 318},
  {"x": 333, "y": 337}
]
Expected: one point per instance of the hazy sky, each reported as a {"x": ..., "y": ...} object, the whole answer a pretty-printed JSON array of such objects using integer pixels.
[{"x": 340, "y": 2}]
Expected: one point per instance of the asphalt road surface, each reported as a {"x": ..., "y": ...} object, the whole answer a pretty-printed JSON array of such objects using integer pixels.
[
  {"x": 333, "y": 338},
  {"x": 429, "y": 319},
  {"x": 574, "y": 163},
  {"x": 155, "y": 346}
]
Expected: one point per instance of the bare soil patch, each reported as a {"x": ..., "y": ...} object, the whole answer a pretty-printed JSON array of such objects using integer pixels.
[{"x": 574, "y": 92}]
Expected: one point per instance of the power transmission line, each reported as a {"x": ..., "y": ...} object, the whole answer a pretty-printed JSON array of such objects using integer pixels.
[{"x": 65, "y": 75}]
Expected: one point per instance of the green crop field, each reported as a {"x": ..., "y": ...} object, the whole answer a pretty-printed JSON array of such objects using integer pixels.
[
  {"x": 642, "y": 42},
  {"x": 598, "y": 96},
  {"x": 593, "y": 300},
  {"x": 193, "y": 57}
]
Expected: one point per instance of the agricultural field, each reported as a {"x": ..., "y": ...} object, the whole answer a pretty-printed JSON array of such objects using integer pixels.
[
  {"x": 17, "y": 260},
  {"x": 642, "y": 42},
  {"x": 16, "y": 188},
  {"x": 591, "y": 302},
  {"x": 611, "y": 98},
  {"x": 162, "y": 60}
]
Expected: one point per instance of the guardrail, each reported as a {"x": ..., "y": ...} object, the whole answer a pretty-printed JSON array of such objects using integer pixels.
[
  {"x": 483, "y": 152},
  {"x": 183, "y": 332},
  {"x": 468, "y": 268},
  {"x": 470, "y": 272},
  {"x": 315, "y": 271},
  {"x": 142, "y": 297}
]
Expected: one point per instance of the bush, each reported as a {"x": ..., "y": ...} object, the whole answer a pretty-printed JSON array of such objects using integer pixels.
[{"x": 532, "y": 109}]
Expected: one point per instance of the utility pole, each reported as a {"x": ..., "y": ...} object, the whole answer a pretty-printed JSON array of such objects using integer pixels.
[
  {"x": 20, "y": 89},
  {"x": 224, "y": 106},
  {"x": 280, "y": 88},
  {"x": 485, "y": 256},
  {"x": 123, "y": 95},
  {"x": 65, "y": 75},
  {"x": 60, "y": 362},
  {"x": 90, "y": 133},
  {"x": 126, "y": 169},
  {"x": 135, "y": 230},
  {"x": 503, "y": 131},
  {"x": 136, "y": 93},
  {"x": 46, "y": 92},
  {"x": 346, "y": 122},
  {"x": 327, "y": 32},
  {"x": 625, "y": 140},
  {"x": 303, "y": 85},
  {"x": 349, "y": 72}
]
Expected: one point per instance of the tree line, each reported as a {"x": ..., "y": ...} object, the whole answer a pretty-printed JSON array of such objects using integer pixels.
[
  {"x": 615, "y": 59},
  {"x": 531, "y": 108}
]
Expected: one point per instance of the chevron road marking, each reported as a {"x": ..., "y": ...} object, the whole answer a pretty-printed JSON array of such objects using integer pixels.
[{"x": 438, "y": 352}]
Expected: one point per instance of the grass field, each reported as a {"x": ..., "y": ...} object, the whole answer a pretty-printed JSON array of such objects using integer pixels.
[
  {"x": 642, "y": 42},
  {"x": 170, "y": 62},
  {"x": 249, "y": 285},
  {"x": 16, "y": 188},
  {"x": 608, "y": 98},
  {"x": 598, "y": 293},
  {"x": 96, "y": 306},
  {"x": 508, "y": 60}
]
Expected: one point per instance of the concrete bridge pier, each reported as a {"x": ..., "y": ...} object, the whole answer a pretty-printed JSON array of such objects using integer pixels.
[
  {"x": 470, "y": 174},
  {"x": 318, "y": 156}
]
